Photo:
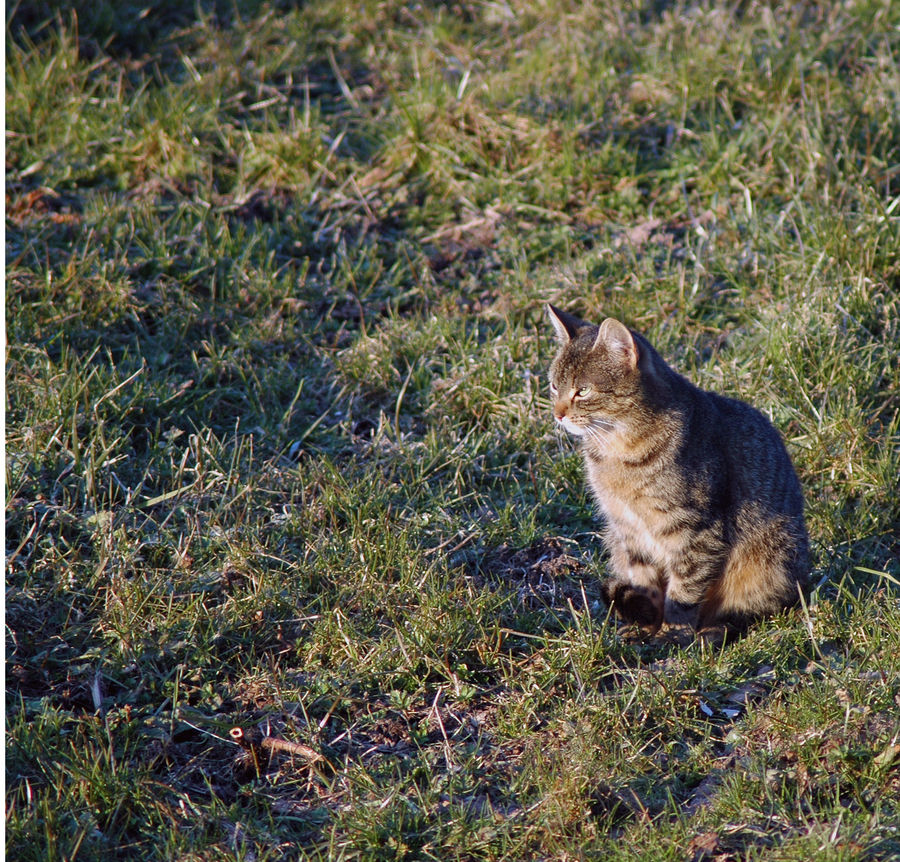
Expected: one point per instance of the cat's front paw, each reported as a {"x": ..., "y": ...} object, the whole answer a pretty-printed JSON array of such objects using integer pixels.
[{"x": 644, "y": 606}]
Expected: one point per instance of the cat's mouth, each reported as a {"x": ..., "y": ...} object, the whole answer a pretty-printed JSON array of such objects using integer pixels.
[{"x": 571, "y": 427}]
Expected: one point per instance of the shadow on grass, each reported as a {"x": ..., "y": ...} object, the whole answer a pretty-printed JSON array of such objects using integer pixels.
[{"x": 129, "y": 28}]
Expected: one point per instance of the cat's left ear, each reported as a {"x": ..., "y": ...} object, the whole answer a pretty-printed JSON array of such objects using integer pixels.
[
  {"x": 619, "y": 342},
  {"x": 565, "y": 324}
]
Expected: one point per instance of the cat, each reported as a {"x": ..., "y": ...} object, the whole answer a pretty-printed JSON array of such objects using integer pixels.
[{"x": 702, "y": 506}]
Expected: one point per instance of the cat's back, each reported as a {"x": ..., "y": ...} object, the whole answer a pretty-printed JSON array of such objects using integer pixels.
[
  {"x": 699, "y": 456},
  {"x": 756, "y": 463}
]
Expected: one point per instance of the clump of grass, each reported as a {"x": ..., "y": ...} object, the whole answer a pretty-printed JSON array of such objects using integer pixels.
[{"x": 278, "y": 452}]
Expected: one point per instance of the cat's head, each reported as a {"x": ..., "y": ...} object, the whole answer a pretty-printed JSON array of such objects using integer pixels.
[{"x": 595, "y": 378}]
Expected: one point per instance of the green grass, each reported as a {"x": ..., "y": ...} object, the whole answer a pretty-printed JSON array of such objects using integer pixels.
[{"x": 279, "y": 453}]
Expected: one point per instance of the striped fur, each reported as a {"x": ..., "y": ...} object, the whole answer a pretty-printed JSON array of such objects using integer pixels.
[{"x": 703, "y": 509}]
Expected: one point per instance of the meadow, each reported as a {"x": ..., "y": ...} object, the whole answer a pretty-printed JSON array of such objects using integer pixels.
[{"x": 297, "y": 565}]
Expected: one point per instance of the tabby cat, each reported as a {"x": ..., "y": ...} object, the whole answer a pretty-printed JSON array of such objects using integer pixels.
[{"x": 703, "y": 509}]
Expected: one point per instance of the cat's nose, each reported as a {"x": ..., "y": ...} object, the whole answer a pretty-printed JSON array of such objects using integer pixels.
[{"x": 559, "y": 413}]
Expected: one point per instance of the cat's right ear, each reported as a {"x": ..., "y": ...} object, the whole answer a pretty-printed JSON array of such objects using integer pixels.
[
  {"x": 565, "y": 324},
  {"x": 619, "y": 342}
]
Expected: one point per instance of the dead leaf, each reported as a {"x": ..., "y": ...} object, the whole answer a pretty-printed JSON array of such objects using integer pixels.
[
  {"x": 640, "y": 233},
  {"x": 888, "y": 757},
  {"x": 704, "y": 846}
]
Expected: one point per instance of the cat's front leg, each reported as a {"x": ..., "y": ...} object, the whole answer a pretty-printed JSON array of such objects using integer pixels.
[{"x": 636, "y": 592}]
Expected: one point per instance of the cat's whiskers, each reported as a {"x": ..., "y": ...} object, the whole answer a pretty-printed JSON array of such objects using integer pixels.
[
  {"x": 599, "y": 434},
  {"x": 602, "y": 424},
  {"x": 599, "y": 430}
]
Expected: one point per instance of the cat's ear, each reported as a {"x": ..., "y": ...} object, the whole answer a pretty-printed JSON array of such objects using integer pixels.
[
  {"x": 619, "y": 342},
  {"x": 565, "y": 324}
]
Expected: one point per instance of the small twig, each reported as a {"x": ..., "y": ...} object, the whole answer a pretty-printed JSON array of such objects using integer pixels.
[
  {"x": 275, "y": 743},
  {"x": 272, "y": 744}
]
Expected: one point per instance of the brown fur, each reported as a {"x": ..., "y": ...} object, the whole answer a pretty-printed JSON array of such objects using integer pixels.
[{"x": 703, "y": 509}]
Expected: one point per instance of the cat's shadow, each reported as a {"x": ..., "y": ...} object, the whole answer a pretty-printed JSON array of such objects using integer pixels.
[{"x": 677, "y": 635}]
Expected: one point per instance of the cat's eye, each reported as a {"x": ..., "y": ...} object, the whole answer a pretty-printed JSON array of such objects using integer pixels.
[
  {"x": 553, "y": 390},
  {"x": 583, "y": 392}
]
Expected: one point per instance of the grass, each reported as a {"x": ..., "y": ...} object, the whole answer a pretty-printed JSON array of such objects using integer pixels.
[{"x": 279, "y": 455}]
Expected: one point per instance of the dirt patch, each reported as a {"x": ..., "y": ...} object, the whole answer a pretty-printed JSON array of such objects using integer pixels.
[{"x": 544, "y": 573}]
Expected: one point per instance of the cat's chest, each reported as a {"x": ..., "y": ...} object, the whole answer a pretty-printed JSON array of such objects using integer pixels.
[
  {"x": 642, "y": 527},
  {"x": 644, "y": 521}
]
